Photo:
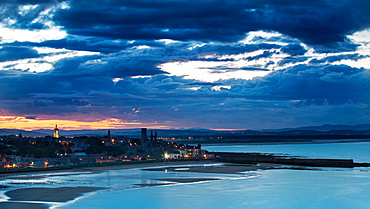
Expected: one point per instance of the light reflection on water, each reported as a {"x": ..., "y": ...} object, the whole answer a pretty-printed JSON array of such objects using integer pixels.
[
  {"x": 327, "y": 188},
  {"x": 125, "y": 180},
  {"x": 359, "y": 151},
  {"x": 274, "y": 189}
]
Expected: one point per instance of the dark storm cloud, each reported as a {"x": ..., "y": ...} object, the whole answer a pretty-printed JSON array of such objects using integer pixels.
[
  {"x": 331, "y": 59},
  {"x": 298, "y": 90},
  {"x": 70, "y": 86},
  {"x": 314, "y": 22},
  {"x": 283, "y": 39},
  {"x": 162, "y": 97},
  {"x": 45, "y": 93},
  {"x": 25, "y": 2},
  {"x": 130, "y": 61},
  {"x": 289, "y": 60},
  {"x": 265, "y": 54},
  {"x": 160, "y": 49},
  {"x": 16, "y": 53},
  {"x": 127, "y": 32},
  {"x": 294, "y": 49},
  {"x": 177, "y": 20},
  {"x": 66, "y": 101},
  {"x": 88, "y": 44},
  {"x": 331, "y": 84},
  {"x": 112, "y": 66},
  {"x": 256, "y": 100},
  {"x": 239, "y": 48}
]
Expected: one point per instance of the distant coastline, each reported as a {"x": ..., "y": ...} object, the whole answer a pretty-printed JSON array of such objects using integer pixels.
[
  {"x": 280, "y": 140},
  {"x": 323, "y": 131}
]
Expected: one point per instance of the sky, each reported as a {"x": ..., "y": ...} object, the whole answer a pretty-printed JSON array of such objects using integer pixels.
[{"x": 236, "y": 64}]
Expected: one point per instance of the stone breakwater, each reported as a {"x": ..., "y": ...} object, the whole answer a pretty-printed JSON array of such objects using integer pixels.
[{"x": 252, "y": 158}]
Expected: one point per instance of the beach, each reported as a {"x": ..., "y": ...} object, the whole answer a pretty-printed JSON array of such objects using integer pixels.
[
  {"x": 62, "y": 194},
  {"x": 39, "y": 197},
  {"x": 207, "y": 184}
]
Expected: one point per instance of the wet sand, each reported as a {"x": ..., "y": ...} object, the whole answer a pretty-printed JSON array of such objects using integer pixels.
[
  {"x": 231, "y": 169},
  {"x": 64, "y": 194},
  {"x": 188, "y": 180},
  {"x": 151, "y": 185},
  {"x": 19, "y": 205},
  {"x": 61, "y": 194},
  {"x": 226, "y": 168}
]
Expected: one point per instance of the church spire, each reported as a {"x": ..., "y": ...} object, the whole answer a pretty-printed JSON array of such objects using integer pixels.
[{"x": 56, "y": 131}]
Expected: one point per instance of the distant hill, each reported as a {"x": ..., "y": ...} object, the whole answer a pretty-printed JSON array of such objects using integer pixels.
[
  {"x": 199, "y": 133},
  {"x": 137, "y": 132},
  {"x": 328, "y": 127},
  {"x": 114, "y": 132},
  {"x": 8, "y": 132}
]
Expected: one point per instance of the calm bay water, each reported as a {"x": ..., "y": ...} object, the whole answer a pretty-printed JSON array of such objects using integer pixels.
[
  {"x": 359, "y": 152},
  {"x": 328, "y": 188},
  {"x": 274, "y": 189}
]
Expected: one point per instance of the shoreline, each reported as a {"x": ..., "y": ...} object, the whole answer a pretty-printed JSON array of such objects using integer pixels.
[
  {"x": 140, "y": 164},
  {"x": 39, "y": 197},
  {"x": 34, "y": 197},
  {"x": 101, "y": 168},
  {"x": 30, "y": 197}
]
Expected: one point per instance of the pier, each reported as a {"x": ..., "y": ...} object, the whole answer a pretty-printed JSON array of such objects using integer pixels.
[{"x": 253, "y": 158}]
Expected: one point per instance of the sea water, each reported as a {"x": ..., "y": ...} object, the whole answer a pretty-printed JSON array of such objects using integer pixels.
[
  {"x": 359, "y": 151},
  {"x": 282, "y": 188},
  {"x": 275, "y": 189}
]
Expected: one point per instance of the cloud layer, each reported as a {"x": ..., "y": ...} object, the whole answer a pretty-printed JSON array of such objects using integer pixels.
[{"x": 212, "y": 64}]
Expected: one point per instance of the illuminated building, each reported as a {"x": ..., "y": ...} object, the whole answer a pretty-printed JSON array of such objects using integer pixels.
[{"x": 56, "y": 132}]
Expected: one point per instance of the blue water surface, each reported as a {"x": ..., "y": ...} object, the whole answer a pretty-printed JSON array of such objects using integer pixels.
[
  {"x": 337, "y": 188},
  {"x": 359, "y": 152}
]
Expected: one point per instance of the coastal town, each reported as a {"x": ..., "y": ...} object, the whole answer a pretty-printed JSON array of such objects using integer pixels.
[
  {"x": 19, "y": 151},
  {"x": 41, "y": 172}
]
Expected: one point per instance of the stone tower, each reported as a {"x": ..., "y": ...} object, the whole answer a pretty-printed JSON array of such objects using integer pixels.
[
  {"x": 144, "y": 137},
  {"x": 56, "y": 132}
]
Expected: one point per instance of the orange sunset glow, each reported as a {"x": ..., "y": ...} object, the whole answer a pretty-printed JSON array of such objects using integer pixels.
[{"x": 19, "y": 122}]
